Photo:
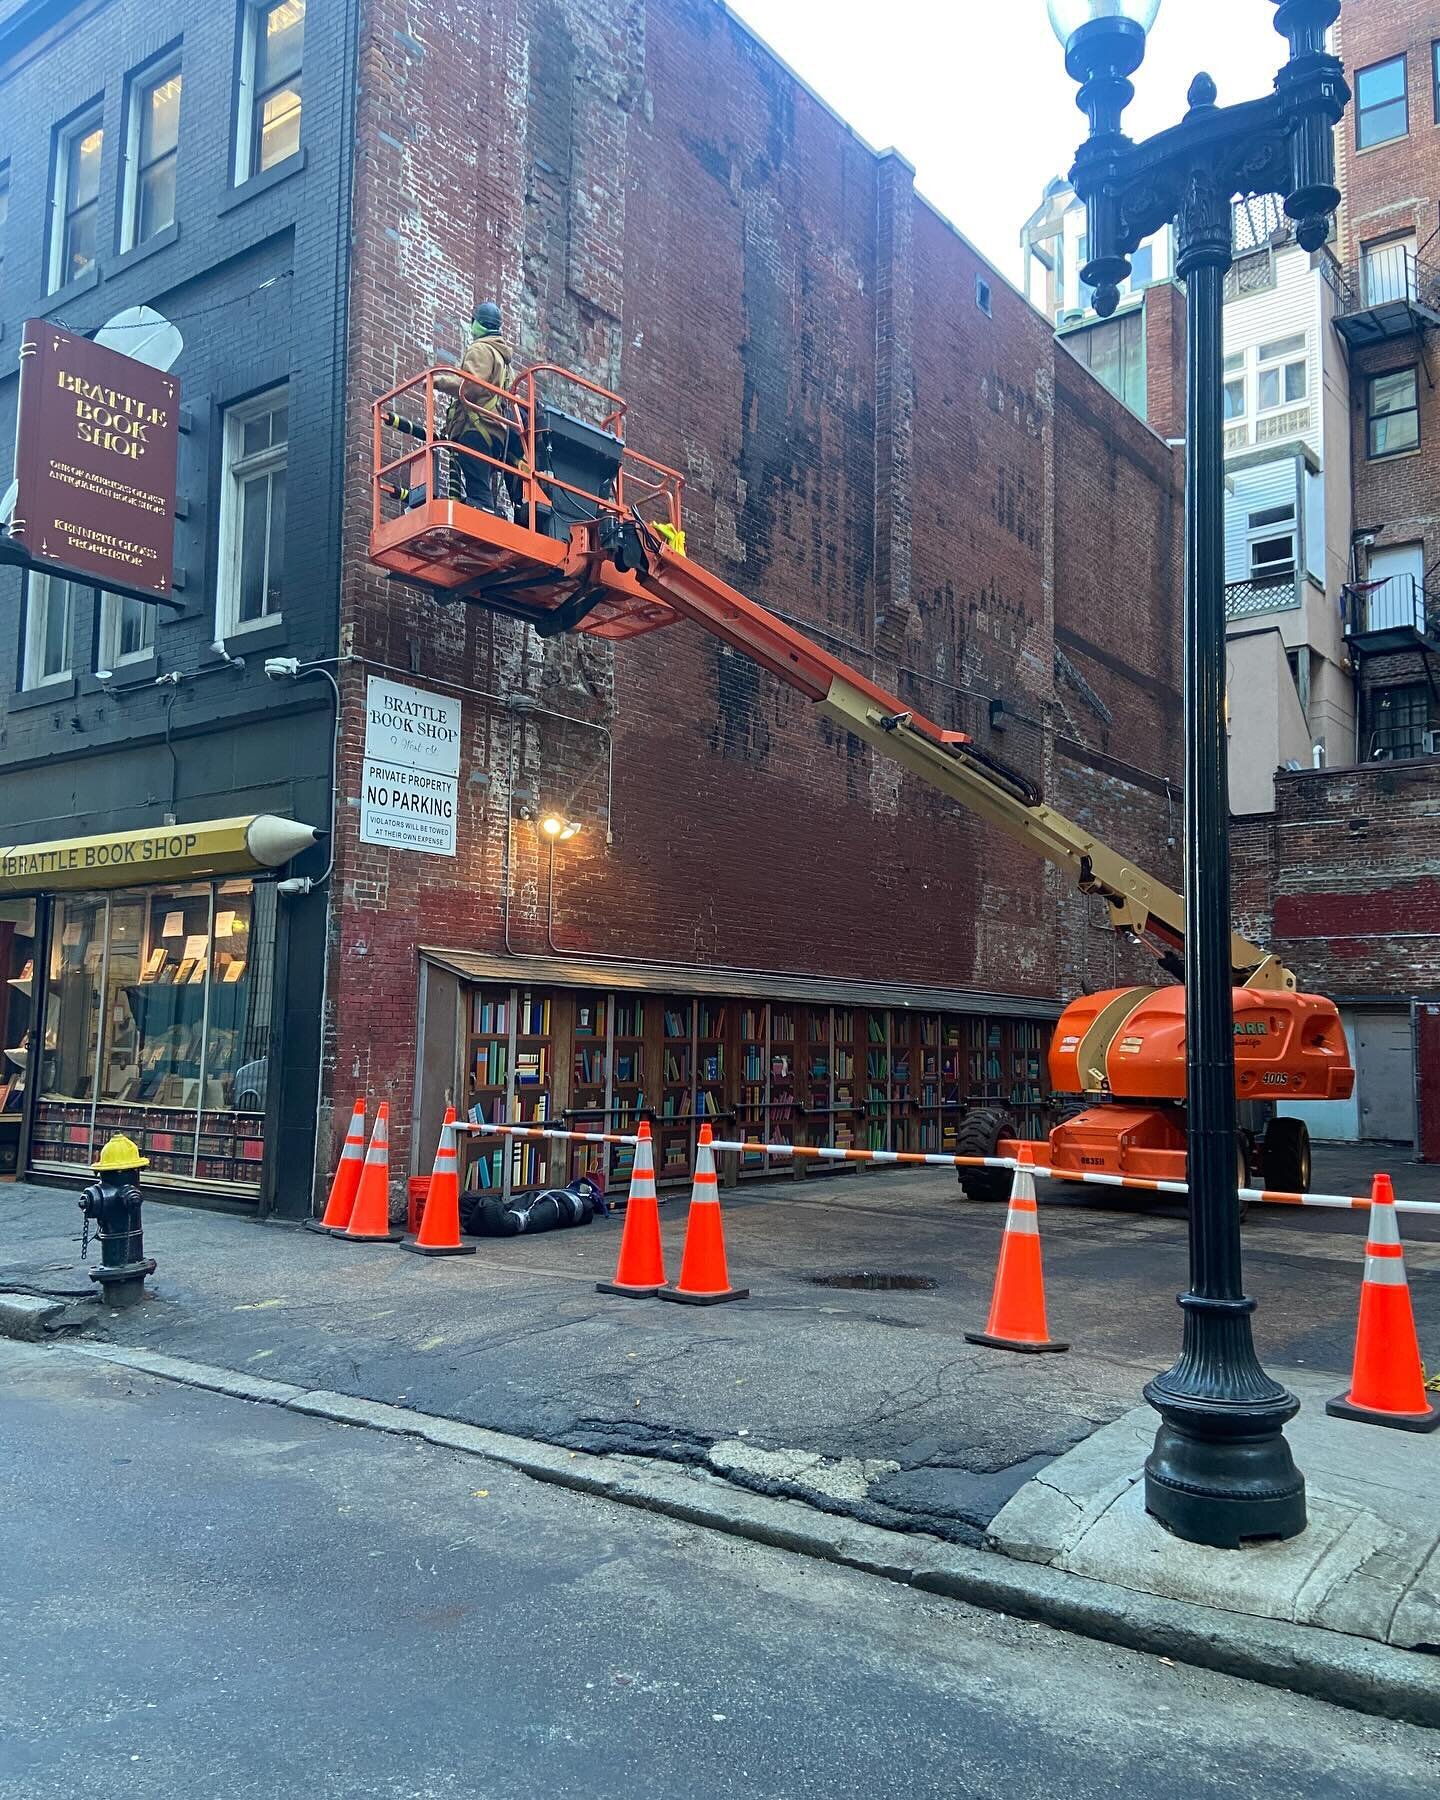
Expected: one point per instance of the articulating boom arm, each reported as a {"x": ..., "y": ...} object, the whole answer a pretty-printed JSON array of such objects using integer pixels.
[{"x": 948, "y": 761}]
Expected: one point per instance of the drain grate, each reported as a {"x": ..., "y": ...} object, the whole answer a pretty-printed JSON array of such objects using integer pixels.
[{"x": 874, "y": 1281}]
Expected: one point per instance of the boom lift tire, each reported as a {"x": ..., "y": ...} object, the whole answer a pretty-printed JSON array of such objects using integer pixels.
[
  {"x": 979, "y": 1134},
  {"x": 1285, "y": 1154}
]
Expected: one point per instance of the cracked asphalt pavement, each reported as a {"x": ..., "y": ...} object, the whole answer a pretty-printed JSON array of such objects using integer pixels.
[{"x": 864, "y": 1403}]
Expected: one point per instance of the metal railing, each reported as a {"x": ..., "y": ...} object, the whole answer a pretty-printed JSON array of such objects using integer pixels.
[
  {"x": 1261, "y": 594},
  {"x": 1396, "y": 603},
  {"x": 1388, "y": 275}
]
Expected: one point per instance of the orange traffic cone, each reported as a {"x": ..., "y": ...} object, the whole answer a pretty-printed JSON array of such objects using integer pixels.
[
  {"x": 1387, "y": 1385},
  {"x": 1017, "y": 1305},
  {"x": 370, "y": 1217},
  {"x": 641, "y": 1268},
  {"x": 704, "y": 1276},
  {"x": 347, "y": 1177},
  {"x": 439, "y": 1233}
]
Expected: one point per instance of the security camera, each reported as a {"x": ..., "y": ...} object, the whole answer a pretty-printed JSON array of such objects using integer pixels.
[
  {"x": 282, "y": 668},
  {"x": 294, "y": 886}
]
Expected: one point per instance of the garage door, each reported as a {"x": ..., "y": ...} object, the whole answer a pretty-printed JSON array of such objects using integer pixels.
[{"x": 1385, "y": 1075}]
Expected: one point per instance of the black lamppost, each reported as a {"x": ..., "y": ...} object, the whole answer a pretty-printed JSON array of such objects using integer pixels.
[{"x": 1221, "y": 1470}]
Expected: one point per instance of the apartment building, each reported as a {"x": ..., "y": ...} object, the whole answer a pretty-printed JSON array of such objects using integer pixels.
[{"x": 1287, "y": 461}]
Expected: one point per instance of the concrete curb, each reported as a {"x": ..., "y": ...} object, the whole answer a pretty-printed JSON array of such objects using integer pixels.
[
  {"x": 31, "y": 1317},
  {"x": 1348, "y": 1671}
]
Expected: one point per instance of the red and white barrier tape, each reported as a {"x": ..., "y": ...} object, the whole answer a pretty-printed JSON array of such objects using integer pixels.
[{"x": 933, "y": 1160}]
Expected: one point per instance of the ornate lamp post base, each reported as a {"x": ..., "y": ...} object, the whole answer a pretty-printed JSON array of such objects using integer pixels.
[{"x": 1220, "y": 1471}]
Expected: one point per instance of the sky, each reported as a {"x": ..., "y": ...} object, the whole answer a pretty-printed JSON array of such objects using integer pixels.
[{"x": 975, "y": 94}]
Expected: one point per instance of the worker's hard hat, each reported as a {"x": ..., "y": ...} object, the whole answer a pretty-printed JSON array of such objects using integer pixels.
[
  {"x": 487, "y": 314},
  {"x": 121, "y": 1152}
]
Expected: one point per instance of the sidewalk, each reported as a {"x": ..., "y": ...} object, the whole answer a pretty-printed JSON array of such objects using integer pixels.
[{"x": 863, "y": 1403}]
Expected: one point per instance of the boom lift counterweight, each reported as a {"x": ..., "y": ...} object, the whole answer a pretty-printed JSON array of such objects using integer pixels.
[{"x": 597, "y": 547}]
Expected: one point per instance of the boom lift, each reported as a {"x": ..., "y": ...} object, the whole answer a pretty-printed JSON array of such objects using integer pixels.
[{"x": 597, "y": 547}]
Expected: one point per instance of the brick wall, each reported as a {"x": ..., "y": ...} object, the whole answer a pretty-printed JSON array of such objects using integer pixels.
[
  {"x": 1165, "y": 358},
  {"x": 656, "y": 201},
  {"x": 1344, "y": 882}
]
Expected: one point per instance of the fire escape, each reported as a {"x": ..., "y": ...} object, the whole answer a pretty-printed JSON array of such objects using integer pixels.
[{"x": 1391, "y": 296}]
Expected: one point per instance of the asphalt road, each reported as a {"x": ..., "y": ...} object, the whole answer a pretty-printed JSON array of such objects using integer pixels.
[
  {"x": 918, "y": 1428},
  {"x": 206, "y": 1599}
]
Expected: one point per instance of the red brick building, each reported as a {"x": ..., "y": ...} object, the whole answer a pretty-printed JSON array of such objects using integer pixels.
[{"x": 881, "y": 442}]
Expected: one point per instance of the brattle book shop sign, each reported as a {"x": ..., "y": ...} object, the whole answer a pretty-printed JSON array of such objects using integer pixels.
[
  {"x": 412, "y": 767},
  {"x": 95, "y": 454}
]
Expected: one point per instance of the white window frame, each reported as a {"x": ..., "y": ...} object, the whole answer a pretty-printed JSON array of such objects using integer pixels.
[
  {"x": 140, "y": 85},
  {"x": 39, "y": 591},
  {"x": 1280, "y": 365},
  {"x": 254, "y": 12},
  {"x": 1267, "y": 533},
  {"x": 109, "y": 655},
  {"x": 55, "y": 273},
  {"x": 237, "y": 469}
]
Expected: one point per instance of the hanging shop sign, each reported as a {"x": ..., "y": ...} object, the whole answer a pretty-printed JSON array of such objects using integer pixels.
[
  {"x": 410, "y": 778},
  {"x": 158, "y": 853},
  {"x": 96, "y": 446}
]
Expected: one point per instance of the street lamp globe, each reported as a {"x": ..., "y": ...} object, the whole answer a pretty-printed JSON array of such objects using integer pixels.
[{"x": 1067, "y": 16}]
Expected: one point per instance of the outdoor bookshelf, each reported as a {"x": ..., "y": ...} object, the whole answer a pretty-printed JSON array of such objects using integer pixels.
[
  {"x": 770, "y": 1072},
  {"x": 589, "y": 1108},
  {"x": 753, "y": 1091},
  {"x": 673, "y": 1159},
  {"x": 780, "y": 1118},
  {"x": 627, "y": 1082}
]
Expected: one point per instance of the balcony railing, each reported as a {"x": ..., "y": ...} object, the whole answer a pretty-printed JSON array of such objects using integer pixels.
[
  {"x": 1392, "y": 291},
  {"x": 1398, "y": 604},
  {"x": 1261, "y": 594}
]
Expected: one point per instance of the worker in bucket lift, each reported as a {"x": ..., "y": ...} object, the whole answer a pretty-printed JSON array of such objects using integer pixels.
[{"x": 475, "y": 419}]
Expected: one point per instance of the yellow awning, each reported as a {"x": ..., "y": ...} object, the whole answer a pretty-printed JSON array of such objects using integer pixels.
[{"x": 158, "y": 853}]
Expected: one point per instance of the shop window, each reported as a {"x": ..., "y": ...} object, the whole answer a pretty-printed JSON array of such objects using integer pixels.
[
  {"x": 152, "y": 136},
  {"x": 158, "y": 1025},
  {"x": 252, "y": 517},
  {"x": 1393, "y": 413},
  {"x": 50, "y": 608},
  {"x": 17, "y": 998},
  {"x": 270, "y": 86},
  {"x": 1381, "y": 113},
  {"x": 75, "y": 199},
  {"x": 127, "y": 630}
]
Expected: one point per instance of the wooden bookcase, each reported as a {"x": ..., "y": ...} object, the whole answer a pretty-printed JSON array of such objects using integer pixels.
[{"x": 771, "y": 1071}]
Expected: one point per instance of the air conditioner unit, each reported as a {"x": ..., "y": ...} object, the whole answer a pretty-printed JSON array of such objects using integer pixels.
[{"x": 1430, "y": 743}]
